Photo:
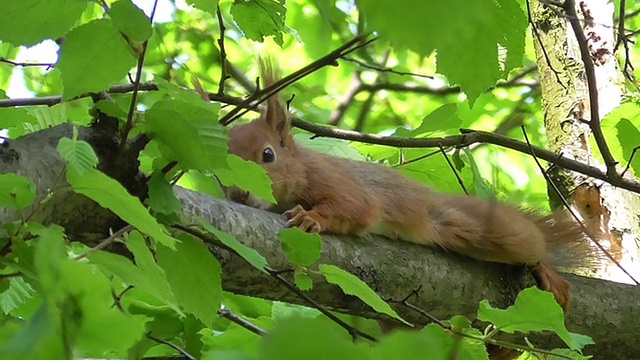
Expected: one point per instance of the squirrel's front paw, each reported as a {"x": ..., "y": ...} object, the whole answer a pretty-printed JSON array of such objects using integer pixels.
[{"x": 298, "y": 217}]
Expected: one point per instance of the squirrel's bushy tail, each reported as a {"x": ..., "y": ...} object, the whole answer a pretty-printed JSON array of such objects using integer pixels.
[{"x": 568, "y": 247}]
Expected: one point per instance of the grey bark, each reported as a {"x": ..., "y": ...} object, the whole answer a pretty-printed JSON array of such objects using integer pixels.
[{"x": 449, "y": 284}]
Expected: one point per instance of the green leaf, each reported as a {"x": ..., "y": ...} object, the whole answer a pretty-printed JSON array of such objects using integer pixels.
[
  {"x": 621, "y": 128},
  {"x": 16, "y": 191},
  {"x": 96, "y": 48},
  {"x": 204, "y": 5},
  {"x": 28, "y": 22},
  {"x": 462, "y": 56},
  {"x": 302, "y": 279},
  {"x": 329, "y": 146},
  {"x": 78, "y": 154},
  {"x": 111, "y": 108},
  {"x": 300, "y": 247},
  {"x": 129, "y": 19},
  {"x": 194, "y": 276},
  {"x": 14, "y": 120},
  {"x": 248, "y": 176},
  {"x": 111, "y": 195},
  {"x": 443, "y": 118},
  {"x": 16, "y": 295},
  {"x": 315, "y": 339},
  {"x": 534, "y": 310},
  {"x": 151, "y": 283},
  {"x": 103, "y": 328},
  {"x": 250, "y": 255},
  {"x": 161, "y": 196},
  {"x": 191, "y": 132},
  {"x": 412, "y": 345},
  {"x": 153, "y": 273},
  {"x": 260, "y": 18},
  {"x": 352, "y": 285}
]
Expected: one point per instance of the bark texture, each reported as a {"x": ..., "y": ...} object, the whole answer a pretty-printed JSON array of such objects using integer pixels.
[
  {"x": 609, "y": 213},
  {"x": 449, "y": 284}
]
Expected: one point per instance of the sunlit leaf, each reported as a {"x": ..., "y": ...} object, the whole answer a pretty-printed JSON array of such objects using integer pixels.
[{"x": 98, "y": 48}]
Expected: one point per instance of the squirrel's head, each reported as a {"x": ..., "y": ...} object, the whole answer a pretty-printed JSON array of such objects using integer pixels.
[{"x": 268, "y": 142}]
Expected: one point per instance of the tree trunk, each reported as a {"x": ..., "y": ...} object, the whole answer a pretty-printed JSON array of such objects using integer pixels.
[{"x": 609, "y": 213}]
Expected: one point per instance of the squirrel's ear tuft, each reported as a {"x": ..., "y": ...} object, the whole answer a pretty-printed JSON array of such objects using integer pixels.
[{"x": 276, "y": 115}]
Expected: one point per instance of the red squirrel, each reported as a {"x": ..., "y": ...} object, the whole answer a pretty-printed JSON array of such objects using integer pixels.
[{"x": 322, "y": 193}]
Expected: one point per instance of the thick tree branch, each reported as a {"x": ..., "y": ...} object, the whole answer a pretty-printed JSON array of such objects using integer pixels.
[{"x": 448, "y": 284}]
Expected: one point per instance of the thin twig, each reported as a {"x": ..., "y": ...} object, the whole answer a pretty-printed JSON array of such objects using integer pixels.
[
  {"x": 228, "y": 314},
  {"x": 354, "y": 332},
  {"x": 182, "y": 351},
  {"x": 383, "y": 68},
  {"x": 480, "y": 338},
  {"x": 416, "y": 159},
  {"x": 136, "y": 86},
  {"x": 347, "y": 99},
  {"x": 104, "y": 243},
  {"x": 468, "y": 137},
  {"x": 276, "y": 274},
  {"x": 594, "y": 122},
  {"x": 23, "y": 64},
  {"x": 223, "y": 53},
  {"x": 633, "y": 154},
  {"x": 453, "y": 169},
  {"x": 570, "y": 210},
  {"x": 263, "y": 94},
  {"x": 541, "y": 44}
]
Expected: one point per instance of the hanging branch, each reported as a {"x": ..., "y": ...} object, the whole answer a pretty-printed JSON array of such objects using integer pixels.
[
  {"x": 136, "y": 87},
  {"x": 569, "y": 7}
]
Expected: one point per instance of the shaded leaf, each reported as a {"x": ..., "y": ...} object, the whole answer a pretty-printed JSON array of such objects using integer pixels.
[
  {"x": 111, "y": 195},
  {"x": 352, "y": 285}
]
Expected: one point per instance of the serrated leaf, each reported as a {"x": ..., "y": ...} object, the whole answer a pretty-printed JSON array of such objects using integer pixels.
[
  {"x": 129, "y": 19},
  {"x": 194, "y": 276},
  {"x": 302, "y": 280},
  {"x": 16, "y": 191},
  {"x": 533, "y": 310},
  {"x": 250, "y": 255},
  {"x": 161, "y": 196},
  {"x": 78, "y": 154},
  {"x": 15, "y": 295},
  {"x": 260, "y": 18},
  {"x": 441, "y": 119},
  {"x": 463, "y": 56},
  {"x": 111, "y": 195},
  {"x": 352, "y": 285},
  {"x": 28, "y": 22},
  {"x": 248, "y": 176},
  {"x": 191, "y": 132},
  {"x": 96, "y": 48},
  {"x": 133, "y": 275},
  {"x": 300, "y": 247}
]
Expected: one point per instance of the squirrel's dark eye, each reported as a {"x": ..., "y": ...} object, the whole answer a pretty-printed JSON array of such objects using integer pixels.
[{"x": 268, "y": 155}]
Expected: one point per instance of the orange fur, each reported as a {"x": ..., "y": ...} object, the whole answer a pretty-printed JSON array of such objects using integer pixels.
[{"x": 321, "y": 193}]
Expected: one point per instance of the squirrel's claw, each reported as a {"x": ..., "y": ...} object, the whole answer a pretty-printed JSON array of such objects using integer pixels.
[{"x": 298, "y": 217}]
